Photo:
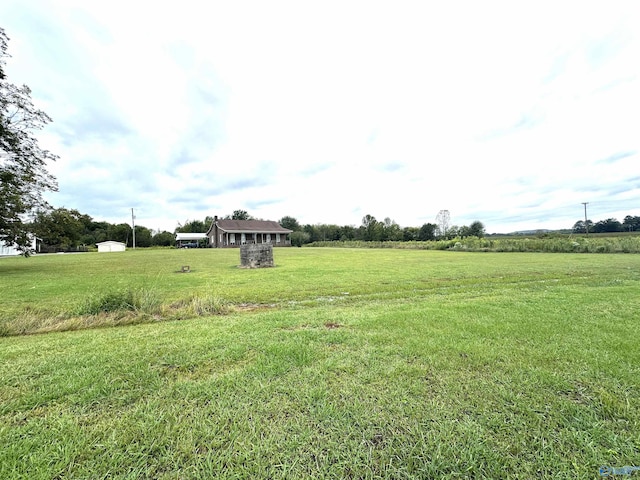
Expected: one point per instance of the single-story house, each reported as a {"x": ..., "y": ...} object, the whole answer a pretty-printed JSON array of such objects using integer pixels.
[
  {"x": 233, "y": 233},
  {"x": 190, "y": 240},
  {"x": 111, "y": 246}
]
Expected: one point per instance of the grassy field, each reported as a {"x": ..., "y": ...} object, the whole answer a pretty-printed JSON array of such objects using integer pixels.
[{"x": 338, "y": 363}]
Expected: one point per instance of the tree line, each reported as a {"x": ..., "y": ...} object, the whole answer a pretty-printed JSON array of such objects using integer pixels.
[
  {"x": 373, "y": 230},
  {"x": 68, "y": 229},
  {"x": 62, "y": 229},
  {"x": 65, "y": 229},
  {"x": 610, "y": 225}
]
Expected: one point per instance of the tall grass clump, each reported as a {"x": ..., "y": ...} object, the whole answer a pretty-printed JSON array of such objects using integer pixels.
[
  {"x": 141, "y": 300},
  {"x": 117, "y": 307},
  {"x": 200, "y": 304}
]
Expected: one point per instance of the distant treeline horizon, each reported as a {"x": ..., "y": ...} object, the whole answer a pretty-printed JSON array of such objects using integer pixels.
[{"x": 68, "y": 228}]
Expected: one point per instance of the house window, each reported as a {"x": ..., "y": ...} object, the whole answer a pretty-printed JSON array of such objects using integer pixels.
[
  {"x": 232, "y": 238},
  {"x": 243, "y": 238},
  {"x": 277, "y": 238},
  {"x": 268, "y": 238}
]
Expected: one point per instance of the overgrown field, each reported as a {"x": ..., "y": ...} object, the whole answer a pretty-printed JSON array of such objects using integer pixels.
[
  {"x": 338, "y": 363},
  {"x": 621, "y": 242}
]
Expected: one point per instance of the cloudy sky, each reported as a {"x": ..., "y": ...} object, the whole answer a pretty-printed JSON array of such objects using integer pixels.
[{"x": 511, "y": 113}]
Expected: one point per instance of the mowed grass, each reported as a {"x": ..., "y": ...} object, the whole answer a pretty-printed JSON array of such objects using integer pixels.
[{"x": 346, "y": 364}]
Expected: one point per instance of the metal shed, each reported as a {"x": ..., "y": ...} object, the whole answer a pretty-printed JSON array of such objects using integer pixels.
[{"x": 111, "y": 246}]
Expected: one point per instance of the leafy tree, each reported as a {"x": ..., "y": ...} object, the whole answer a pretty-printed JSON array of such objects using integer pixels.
[
  {"x": 391, "y": 230},
  {"x": 143, "y": 236},
  {"x": 631, "y": 223},
  {"x": 454, "y": 231},
  {"x": 410, "y": 234},
  {"x": 96, "y": 232},
  {"x": 427, "y": 232},
  {"x": 299, "y": 238},
  {"x": 578, "y": 227},
  {"x": 372, "y": 229},
  {"x": 240, "y": 215},
  {"x": 120, "y": 233},
  {"x": 310, "y": 230},
  {"x": 193, "y": 226},
  {"x": 323, "y": 232},
  {"x": 607, "y": 226},
  {"x": 320, "y": 232},
  {"x": 290, "y": 223},
  {"x": 60, "y": 227},
  {"x": 476, "y": 229},
  {"x": 163, "y": 239},
  {"x": 347, "y": 232},
  {"x": 23, "y": 164},
  {"x": 332, "y": 232},
  {"x": 368, "y": 220},
  {"x": 581, "y": 227},
  {"x": 462, "y": 232}
]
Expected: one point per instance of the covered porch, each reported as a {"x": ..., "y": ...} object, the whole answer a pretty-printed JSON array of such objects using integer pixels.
[{"x": 235, "y": 239}]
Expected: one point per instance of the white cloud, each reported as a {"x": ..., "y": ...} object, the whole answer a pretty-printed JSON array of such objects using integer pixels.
[{"x": 497, "y": 111}]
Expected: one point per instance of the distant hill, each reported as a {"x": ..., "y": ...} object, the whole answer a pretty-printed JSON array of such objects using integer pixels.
[{"x": 539, "y": 231}]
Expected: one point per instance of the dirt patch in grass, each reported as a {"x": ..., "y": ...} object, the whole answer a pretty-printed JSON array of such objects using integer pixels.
[
  {"x": 252, "y": 307},
  {"x": 331, "y": 325},
  {"x": 306, "y": 326}
]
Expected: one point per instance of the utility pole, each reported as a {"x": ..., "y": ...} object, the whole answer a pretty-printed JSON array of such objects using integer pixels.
[
  {"x": 586, "y": 225},
  {"x": 133, "y": 228}
]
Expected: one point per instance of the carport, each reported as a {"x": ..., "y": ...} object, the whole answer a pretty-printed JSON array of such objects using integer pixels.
[{"x": 191, "y": 240}]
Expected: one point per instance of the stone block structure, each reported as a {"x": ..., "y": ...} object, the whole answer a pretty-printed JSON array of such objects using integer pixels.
[{"x": 256, "y": 255}]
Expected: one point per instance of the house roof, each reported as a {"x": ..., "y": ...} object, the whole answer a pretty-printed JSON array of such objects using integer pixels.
[
  {"x": 250, "y": 226},
  {"x": 191, "y": 236}
]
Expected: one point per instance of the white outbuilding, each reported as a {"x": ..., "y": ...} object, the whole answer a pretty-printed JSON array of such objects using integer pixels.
[
  {"x": 12, "y": 250},
  {"x": 111, "y": 246}
]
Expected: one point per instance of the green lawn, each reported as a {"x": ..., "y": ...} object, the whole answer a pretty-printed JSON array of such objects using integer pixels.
[{"x": 338, "y": 363}]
